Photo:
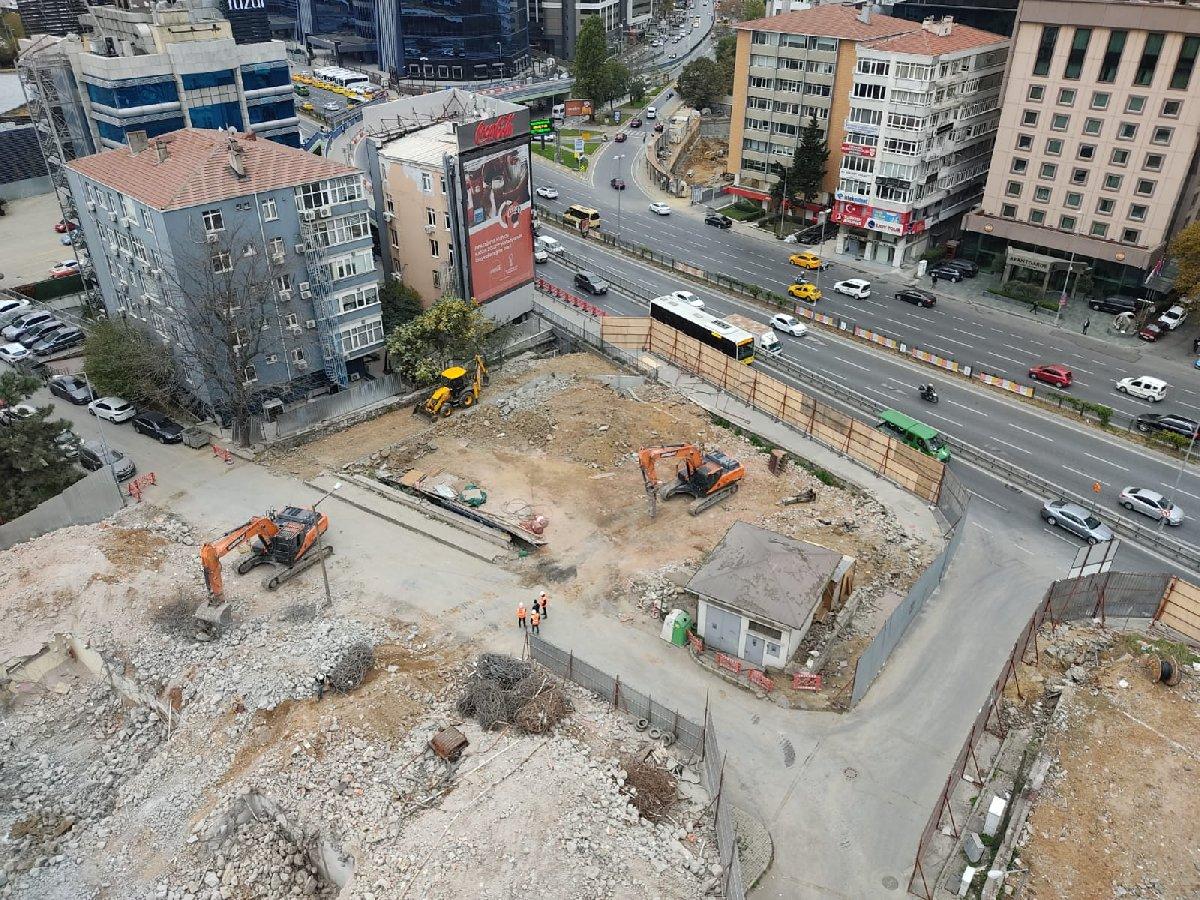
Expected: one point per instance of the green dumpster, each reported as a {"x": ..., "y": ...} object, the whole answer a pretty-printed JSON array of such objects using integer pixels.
[{"x": 683, "y": 624}]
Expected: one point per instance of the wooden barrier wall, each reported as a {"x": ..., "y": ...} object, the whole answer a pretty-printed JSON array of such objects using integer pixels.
[{"x": 1180, "y": 609}]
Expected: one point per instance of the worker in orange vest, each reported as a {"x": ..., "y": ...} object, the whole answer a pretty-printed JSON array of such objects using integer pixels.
[
  {"x": 521, "y": 614},
  {"x": 535, "y": 619},
  {"x": 542, "y": 600}
]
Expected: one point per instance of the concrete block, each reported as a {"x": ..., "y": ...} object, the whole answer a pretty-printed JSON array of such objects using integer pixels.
[
  {"x": 973, "y": 847},
  {"x": 964, "y": 883},
  {"x": 995, "y": 815}
]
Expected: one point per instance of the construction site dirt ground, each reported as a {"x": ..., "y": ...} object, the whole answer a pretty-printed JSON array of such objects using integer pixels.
[
  {"x": 549, "y": 437},
  {"x": 704, "y": 162},
  {"x": 1113, "y": 816}
]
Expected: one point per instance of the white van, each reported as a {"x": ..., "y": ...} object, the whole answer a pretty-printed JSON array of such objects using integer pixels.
[
  {"x": 549, "y": 244},
  {"x": 1144, "y": 387},
  {"x": 559, "y": 112},
  {"x": 651, "y": 112}
]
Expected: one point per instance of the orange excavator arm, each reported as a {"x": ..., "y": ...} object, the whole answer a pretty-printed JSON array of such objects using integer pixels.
[
  {"x": 648, "y": 459},
  {"x": 211, "y": 553}
]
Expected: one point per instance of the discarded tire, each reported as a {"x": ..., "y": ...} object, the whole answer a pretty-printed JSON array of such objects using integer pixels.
[
  {"x": 655, "y": 734},
  {"x": 641, "y": 724},
  {"x": 668, "y": 738}
]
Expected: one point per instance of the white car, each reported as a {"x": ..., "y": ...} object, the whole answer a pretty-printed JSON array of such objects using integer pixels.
[
  {"x": 540, "y": 256},
  {"x": 11, "y": 353},
  {"x": 548, "y": 192},
  {"x": 19, "y": 411},
  {"x": 854, "y": 287},
  {"x": 651, "y": 112},
  {"x": 1173, "y": 317},
  {"x": 549, "y": 244},
  {"x": 689, "y": 298},
  {"x": 789, "y": 325},
  {"x": 331, "y": 106},
  {"x": 114, "y": 409},
  {"x": 672, "y": 56},
  {"x": 1144, "y": 388},
  {"x": 659, "y": 208},
  {"x": 10, "y": 309},
  {"x": 1151, "y": 503}
]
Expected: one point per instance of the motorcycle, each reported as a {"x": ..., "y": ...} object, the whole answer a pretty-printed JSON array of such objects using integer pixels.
[{"x": 928, "y": 394}]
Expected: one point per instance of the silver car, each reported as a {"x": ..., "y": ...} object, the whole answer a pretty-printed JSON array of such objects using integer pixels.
[
  {"x": 1074, "y": 518},
  {"x": 1151, "y": 503}
]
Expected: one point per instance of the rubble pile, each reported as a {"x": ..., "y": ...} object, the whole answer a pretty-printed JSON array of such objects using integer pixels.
[
  {"x": 172, "y": 528},
  {"x": 502, "y": 691}
]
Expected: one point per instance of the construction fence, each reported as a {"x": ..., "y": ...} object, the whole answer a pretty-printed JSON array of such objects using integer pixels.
[
  {"x": 699, "y": 739},
  {"x": 915, "y": 472},
  {"x": 1107, "y": 597},
  {"x": 92, "y": 498}
]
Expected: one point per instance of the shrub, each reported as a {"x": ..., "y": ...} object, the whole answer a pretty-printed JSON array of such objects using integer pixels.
[{"x": 934, "y": 254}]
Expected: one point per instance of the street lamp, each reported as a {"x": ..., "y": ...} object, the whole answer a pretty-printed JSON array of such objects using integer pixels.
[
  {"x": 618, "y": 158},
  {"x": 424, "y": 62},
  {"x": 337, "y": 486},
  {"x": 112, "y": 465}
]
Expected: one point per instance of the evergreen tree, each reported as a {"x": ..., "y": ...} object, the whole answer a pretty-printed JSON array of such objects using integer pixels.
[
  {"x": 809, "y": 163},
  {"x": 399, "y": 304},
  {"x": 33, "y": 467},
  {"x": 591, "y": 50}
]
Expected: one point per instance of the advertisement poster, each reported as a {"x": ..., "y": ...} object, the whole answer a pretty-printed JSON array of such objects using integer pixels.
[
  {"x": 574, "y": 108},
  {"x": 499, "y": 219}
]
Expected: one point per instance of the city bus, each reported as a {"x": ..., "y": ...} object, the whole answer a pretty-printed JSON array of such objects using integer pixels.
[
  {"x": 706, "y": 328},
  {"x": 345, "y": 79}
]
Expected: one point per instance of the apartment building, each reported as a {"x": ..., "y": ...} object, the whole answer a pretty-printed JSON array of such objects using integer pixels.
[
  {"x": 166, "y": 219},
  {"x": 924, "y": 109},
  {"x": 1096, "y": 153}
]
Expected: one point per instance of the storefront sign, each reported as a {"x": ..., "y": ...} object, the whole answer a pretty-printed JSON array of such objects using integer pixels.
[
  {"x": 493, "y": 130},
  {"x": 1035, "y": 262},
  {"x": 858, "y": 150},
  {"x": 848, "y": 197},
  {"x": 886, "y": 221}
]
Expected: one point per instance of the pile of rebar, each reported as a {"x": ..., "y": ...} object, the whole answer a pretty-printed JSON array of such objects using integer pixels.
[
  {"x": 351, "y": 668},
  {"x": 651, "y": 789},
  {"x": 505, "y": 691}
]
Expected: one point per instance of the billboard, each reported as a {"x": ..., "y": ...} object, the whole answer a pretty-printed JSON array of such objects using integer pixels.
[
  {"x": 577, "y": 108},
  {"x": 860, "y": 215},
  {"x": 498, "y": 219}
]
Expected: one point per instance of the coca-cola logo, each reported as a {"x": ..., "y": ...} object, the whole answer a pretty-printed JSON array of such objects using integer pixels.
[{"x": 491, "y": 130}]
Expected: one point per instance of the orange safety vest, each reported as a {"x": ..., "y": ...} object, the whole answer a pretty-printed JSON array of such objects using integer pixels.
[
  {"x": 544, "y": 600},
  {"x": 535, "y": 618},
  {"x": 520, "y": 610}
]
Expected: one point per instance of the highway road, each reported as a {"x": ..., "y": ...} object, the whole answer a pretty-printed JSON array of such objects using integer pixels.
[{"x": 1067, "y": 454}]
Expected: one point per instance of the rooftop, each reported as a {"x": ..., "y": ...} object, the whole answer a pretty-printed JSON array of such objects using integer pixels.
[
  {"x": 928, "y": 43},
  {"x": 832, "y": 21},
  {"x": 193, "y": 167},
  {"x": 763, "y": 573},
  {"x": 425, "y": 147}
]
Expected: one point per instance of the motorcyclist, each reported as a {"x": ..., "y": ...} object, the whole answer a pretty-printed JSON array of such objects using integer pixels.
[{"x": 928, "y": 392}]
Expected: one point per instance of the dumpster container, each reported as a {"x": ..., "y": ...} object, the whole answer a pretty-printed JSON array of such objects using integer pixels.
[{"x": 680, "y": 627}]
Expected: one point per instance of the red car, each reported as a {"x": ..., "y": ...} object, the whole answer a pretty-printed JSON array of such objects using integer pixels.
[
  {"x": 635, "y": 123},
  {"x": 1057, "y": 375},
  {"x": 1152, "y": 332},
  {"x": 659, "y": 127},
  {"x": 65, "y": 225},
  {"x": 620, "y": 137}
]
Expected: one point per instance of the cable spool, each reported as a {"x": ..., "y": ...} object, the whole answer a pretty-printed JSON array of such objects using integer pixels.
[{"x": 1166, "y": 670}]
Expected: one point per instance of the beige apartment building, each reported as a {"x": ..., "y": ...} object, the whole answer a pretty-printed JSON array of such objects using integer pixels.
[{"x": 1096, "y": 153}]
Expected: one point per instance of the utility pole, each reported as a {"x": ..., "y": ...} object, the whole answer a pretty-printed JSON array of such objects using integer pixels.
[
  {"x": 337, "y": 486},
  {"x": 1062, "y": 297},
  {"x": 618, "y": 158}
]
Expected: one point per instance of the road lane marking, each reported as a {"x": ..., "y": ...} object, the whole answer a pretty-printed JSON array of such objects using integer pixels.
[
  {"x": 1055, "y": 533},
  {"x": 986, "y": 500},
  {"x": 1034, "y": 433},
  {"x": 967, "y": 408},
  {"x": 1105, "y": 461},
  {"x": 856, "y": 365},
  {"x": 1088, "y": 475},
  {"x": 1010, "y": 446}
]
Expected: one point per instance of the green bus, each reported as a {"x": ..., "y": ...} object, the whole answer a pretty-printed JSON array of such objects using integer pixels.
[{"x": 916, "y": 434}]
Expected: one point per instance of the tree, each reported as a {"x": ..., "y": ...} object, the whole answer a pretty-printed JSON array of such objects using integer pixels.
[
  {"x": 637, "y": 89},
  {"x": 726, "y": 53},
  {"x": 809, "y": 162},
  {"x": 753, "y": 9},
  {"x": 399, "y": 304},
  {"x": 701, "y": 82},
  {"x": 33, "y": 467},
  {"x": 1184, "y": 249},
  {"x": 450, "y": 332},
  {"x": 591, "y": 50},
  {"x": 611, "y": 82},
  {"x": 123, "y": 361}
]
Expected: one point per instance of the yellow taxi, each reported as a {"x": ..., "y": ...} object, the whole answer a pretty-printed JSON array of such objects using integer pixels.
[
  {"x": 306, "y": 106},
  {"x": 806, "y": 260},
  {"x": 805, "y": 291}
]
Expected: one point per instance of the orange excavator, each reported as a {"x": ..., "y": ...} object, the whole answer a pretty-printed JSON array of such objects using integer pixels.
[
  {"x": 710, "y": 477},
  {"x": 285, "y": 539}
]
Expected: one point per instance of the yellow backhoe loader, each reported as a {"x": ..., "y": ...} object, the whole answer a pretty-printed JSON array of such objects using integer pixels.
[{"x": 457, "y": 389}]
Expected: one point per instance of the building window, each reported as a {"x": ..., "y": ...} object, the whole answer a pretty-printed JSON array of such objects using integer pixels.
[
  {"x": 1086, "y": 152},
  {"x": 1048, "y": 171},
  {"x": 361, "y": 335},
  {"x": 1112, "y": 182},
  {"x": 1171, "y": 108},
  {"x": 1134, "y": 104},
  {"x": 430, "y": 216},
  {"x": 283, "y": 283},
  {"x": 358, "y": 299},
  {"x": 221, "y": 262},
  {"x": 1037, "y": 217},
  {"x": 426, "y": 183},
  {"x": 1079, "y": 176},
  {"x": 277, "y": 247},
  {"x": 146, "y": 221},
  {"x": 1137, "y": 212},
  {"x": 1066, "y": 97},
  {"x": 1030, "y": 118},
  {"x": 1024, "y": 141},
  {"x": 1149, "y": 61},
  {"x": 1099, "y": 229},
  {"x": 1060, "y": 122},
  {"x": 1045, "y": 50},
  {"x": 291, "y": 321},
  {"x": 213, "y": 220},
  {"x": 1100, "y": 100},
  {"x": 1092, "y": 126},
  {"x": 437, "y": 280},
  {"x": 1145, "y": 187},
  {"x": 434, "y": 249},
  {"x": 1112, "y": 57},
  {"x": 1008, "y": 211},
  {"x": 1126, "y": 131},
  {"x": 1042, "y": 194},
  {"x": 442, "y": 183},
  {"x": 297, "y": 355},
  {"x": 1067, "y": 223},
  {"x": 1162, "y": 136},
  {"x": 1182, "y": 75},
  {"x": 1105, "y": 206},
  {"x": 249, "y": 373},
  {"x": 1036, "y": 93},
  {"x": 1054, "y": 147},
  {"x": 1012, "y": 189},
  {"x": 1120, "y": 157},
  {"x": 1130, "y": 236},
  {"x": 1079, "y": 45},
  {"x": 1074, "y": 200},
  {"x": 270, "y": 213},
  {"x": 1153, "y": 162},
  {"x": 1019, "y": 165}
]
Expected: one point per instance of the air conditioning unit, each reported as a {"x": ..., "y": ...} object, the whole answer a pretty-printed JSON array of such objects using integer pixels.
[
  {"x": 237, "y": 348},
  {"x": 295, "y": 326},
  {"x": 307, "y": 215},
  {"x": 388, "y": 216},
  {"x": 325, "y": 212},
  {"x": 300, "y": 248},
  {"x": 91, "y": 206},
  {"x": 277, "y": 259},
  {"x": 156, "y": 273},
  {"x": 305, "y": 294},
  {"x": 355, "y": 376},
  {"x": 272, "y": 358},
  {"x": 112, "y": 248},
  {"x": 302, "y": 364},
  {"x": 112, "y": 216},
  {"x": 211, "y": 238},
  {"x": 429, "y": 229},
  {"x": 310, "y": 324},
  {"x": 285, "y": 296}
]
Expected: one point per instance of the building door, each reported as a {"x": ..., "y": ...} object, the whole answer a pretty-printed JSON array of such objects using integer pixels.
[
  {"x": 755, "y": 644},
  {"x": 722, "y": 629}
]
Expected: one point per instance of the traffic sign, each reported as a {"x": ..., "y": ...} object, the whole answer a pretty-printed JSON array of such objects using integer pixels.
[{"x": 578, "y": 145}]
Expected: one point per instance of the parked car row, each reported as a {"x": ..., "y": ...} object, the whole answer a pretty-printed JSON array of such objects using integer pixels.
[{"x": 36, "y": 332}]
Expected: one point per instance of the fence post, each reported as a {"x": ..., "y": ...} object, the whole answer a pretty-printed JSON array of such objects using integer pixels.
[
  {"x": 616, "y": 691},
  {"x": 571, "y": 666},
  {"x": 1162, "y": 603}
]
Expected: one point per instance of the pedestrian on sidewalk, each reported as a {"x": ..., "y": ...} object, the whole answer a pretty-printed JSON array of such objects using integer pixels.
[
  {"x": 934, "y": 277},
  {"x": 535, "y": 619},
  {"x": 1087, "y": 323},
  {"x": 1033, "y": 304},
  {"x": 542, "y": 600},
  {"x": 521, "y": 614}
]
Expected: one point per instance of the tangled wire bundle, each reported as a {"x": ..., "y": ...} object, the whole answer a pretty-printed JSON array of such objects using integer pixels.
[
  {"x": 351, "y": 668},
  {"x": 505, "y": 691},
  {"x": 651, "y": 790}
]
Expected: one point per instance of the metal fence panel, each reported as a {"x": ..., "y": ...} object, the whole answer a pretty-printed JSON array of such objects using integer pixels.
[{"x": 1116, "y": 594}]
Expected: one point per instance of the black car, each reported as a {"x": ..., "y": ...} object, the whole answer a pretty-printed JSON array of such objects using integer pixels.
[
  {"x": 617, "y": 183},
  {"x": 73, "y": 388},
  {"x": 916, "y": 297},
  {"x": 1149, "y": 422},
  {"x": 60, "y": 339},
  {"x": 949, "y": 273},
  {"x": 162, "y": 428},
  {"x": 94, "y": 456},
  {"x": 35, "y": 333},
  {"x": 1115, "y": 304},
  {"x": 968, "y": 268},
  {"x": 717, "y": 220},
  {"x": 593, "y": 284}
]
